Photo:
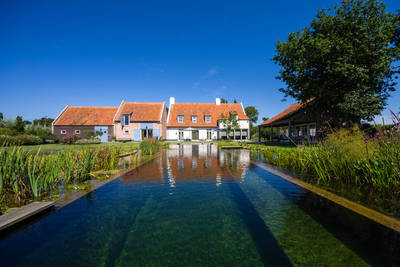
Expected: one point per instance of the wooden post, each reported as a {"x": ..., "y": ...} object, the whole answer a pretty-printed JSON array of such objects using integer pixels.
[
  {"x": 259, "y": 134},
  {"x": 289, "y": 130}
]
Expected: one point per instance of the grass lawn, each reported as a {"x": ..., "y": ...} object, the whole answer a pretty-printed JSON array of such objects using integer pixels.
[{"x": 51, "y": 148}]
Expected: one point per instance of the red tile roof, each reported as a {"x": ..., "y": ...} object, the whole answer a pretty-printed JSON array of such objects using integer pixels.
[
  {"x": 86, "y": 116},
  {"x": 150, "y": 111},
  {"x": 202, "y": 109},
  {"x": 286, "y": 113}
]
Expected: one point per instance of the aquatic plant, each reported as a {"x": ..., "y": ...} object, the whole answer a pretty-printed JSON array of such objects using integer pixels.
[
  {"x": 150, "y": 146},
  {"x": 25, "y": 176}
]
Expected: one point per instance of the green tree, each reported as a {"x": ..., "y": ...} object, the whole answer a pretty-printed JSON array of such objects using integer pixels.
[
  {"x": 19, "y": 125},
  {"x": 1, "y": 116},
  {"x": 230, "y": 123},
  {"x": 344, "y": 61},
  {"x": 265, "y": 118},
  {"x": 252, "y": 113},
  {"x": 224, "y": 101},
  {"x": 44, "y": 121}
]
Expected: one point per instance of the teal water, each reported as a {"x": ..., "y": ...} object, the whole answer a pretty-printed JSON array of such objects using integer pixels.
[{"x": 200, "y": 206}]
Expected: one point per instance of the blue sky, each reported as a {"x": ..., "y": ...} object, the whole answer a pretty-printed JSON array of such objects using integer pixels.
[{"x": 95, "y": 53}]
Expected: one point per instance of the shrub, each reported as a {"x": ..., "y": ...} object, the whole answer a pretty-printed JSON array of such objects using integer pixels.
[
  {"x": 70, "y": 139},
  {"x": 18, "y": 140},
  {"x": 7, "y": 131}
]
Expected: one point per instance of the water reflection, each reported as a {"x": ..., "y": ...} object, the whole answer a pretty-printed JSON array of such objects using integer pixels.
[
  {"x": 204, "y": 163},
  {"x": 192, "y": 163}
]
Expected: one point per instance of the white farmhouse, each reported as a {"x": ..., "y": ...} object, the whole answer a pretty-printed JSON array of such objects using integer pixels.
[{"x": 202, "y": 121}]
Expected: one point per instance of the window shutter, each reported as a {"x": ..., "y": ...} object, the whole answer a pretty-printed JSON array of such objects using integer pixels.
[{"x": 122, "y": 120}]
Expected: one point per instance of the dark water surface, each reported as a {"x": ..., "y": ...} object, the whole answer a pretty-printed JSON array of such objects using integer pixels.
[{"x": 197, "y": 206}]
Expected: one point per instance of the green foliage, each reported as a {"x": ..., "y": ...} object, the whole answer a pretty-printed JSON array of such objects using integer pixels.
[
  {"x": 150, "y": 146},
  {"x": 7, "y": 131},
  {"x": 44, "y": 132},
  {"x": 344, "y": 60},
  {"x": 252, "y": 113},
  {"x": 88, "y": 141},
  {"x": 19, "y": 125},
  {"x": 265, "y": 118},
  {"x": 1, "y": 116},
  {"x": 344, "y": 157},
  {"x": 224, "y": 101},
  {"x": 25, "y": 176},
  {"x": 44, "y": 121},
  {"x": 229, "y": 122},
  {"x": 18, "y": 140}
]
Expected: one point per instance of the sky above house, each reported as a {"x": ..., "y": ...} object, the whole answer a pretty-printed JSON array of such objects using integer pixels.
[{"x": 97, "y": 53}]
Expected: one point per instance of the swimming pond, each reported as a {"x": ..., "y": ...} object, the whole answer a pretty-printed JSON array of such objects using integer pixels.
[{"x": 196, "y": 205}]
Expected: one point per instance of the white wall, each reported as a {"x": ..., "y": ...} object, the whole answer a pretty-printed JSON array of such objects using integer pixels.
[
  {"x": 172, "y": 134},
  {"x": 243, "y": 124},
  {"x": 202, "y": 134}
]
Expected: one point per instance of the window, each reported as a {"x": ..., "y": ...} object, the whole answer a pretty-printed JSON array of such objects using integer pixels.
[
  {"x": 63, "y": 131},
  {"x": 125, "y": 119},
  {"x": 313, "y": 130},
  {"x": 180, "y": 119},
  {"x": 236, "y": 117},
  {"x": 77, "y": 131},
  {"x": 126, "y": 132},
  {"x": 207, "y": 119},
  {"x": 194, "y": 119}
]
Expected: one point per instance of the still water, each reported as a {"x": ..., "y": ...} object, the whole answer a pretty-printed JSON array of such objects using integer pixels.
[{"x": 196, "y": 205}]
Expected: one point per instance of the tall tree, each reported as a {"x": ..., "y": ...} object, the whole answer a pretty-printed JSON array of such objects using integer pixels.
[
  {"x": 224, "y": 101},
  {"x": 252, "y": 113},
  {"x": 19, "y": 125},
  {"x": 344, "y": 61},
  {"x": 265, "y": 118},
  {"x": 1, "y": 116}
]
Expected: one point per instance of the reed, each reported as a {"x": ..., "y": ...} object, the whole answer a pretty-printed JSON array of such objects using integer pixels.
[
  {"x": 345, "y": 157},
  {"x": 25, "y": 176},
  {"x": 150, "y": 146}
]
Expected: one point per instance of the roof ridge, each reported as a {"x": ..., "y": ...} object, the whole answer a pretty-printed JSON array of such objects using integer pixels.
[{"x": 92, "y": 107}]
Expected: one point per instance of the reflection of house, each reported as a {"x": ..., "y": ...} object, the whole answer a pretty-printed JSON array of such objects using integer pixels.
[
  {"x": 203, "y": 162},
  {"x": 201, "y": 121},
  {"x": 296, "y": 123},
  {"x": 82, "y": 120},
  {"x": 136, "y": 121}
]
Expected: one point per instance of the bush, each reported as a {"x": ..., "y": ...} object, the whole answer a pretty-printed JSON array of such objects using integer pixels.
[
  {"x": 7, "y": 131},
  {"x": 70, "y": 139},
  {"x": 88, "y": 141},
  {"x": 18, "y": 140}
]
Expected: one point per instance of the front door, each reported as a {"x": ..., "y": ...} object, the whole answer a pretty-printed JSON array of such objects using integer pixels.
[
  {"x": 195, "y": 135},
  {"x": 180, "y": 137},
  {"x": 103, "y": 133}
]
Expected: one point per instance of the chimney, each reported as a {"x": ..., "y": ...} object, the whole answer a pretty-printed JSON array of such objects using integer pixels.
[
  {"x": 171, "y": 101},
  {"x": 218, "y": 101}
]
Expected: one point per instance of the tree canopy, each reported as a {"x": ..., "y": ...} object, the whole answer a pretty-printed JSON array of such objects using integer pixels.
[
  {"x": 344, "y": 61},
  {"x": 252, "y": 113}
]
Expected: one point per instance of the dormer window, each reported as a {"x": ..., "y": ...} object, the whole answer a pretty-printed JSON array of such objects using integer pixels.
[
  {"x": 180, "y": 119},
  {"x": 235, "y": 116},
  {"x": 207, "y": 119},
  {"x": 125, "y": 119},
  {"x": 194, "y": 119}
]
